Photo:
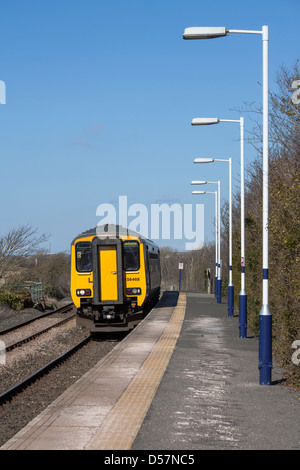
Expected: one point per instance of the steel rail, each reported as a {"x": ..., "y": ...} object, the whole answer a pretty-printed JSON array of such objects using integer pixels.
[
  {"x": 63, "y": 309},
  {"x": 8, "y": 394},
  {"x": 12, "y": 346}
]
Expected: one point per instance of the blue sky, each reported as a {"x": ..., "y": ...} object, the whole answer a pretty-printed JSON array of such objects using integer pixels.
[{"x": 100, "y": 96}]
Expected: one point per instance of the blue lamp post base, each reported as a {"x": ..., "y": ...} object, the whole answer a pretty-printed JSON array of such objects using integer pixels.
[
  {"x": 243, "y": 315},
  {"x": 265, "y": 349},
  {"x": 230, "y": 300}
]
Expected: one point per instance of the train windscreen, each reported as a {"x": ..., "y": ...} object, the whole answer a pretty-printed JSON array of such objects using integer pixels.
[
  {"x": 84, "y": 259},
  {"x": 131, "y": 255}
]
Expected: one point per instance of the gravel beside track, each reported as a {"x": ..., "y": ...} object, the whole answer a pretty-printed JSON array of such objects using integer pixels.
[
  {"x": 10, "y": 317},
  {"x": 34, "y": 328},
  {"x": 15, "y": 414}
]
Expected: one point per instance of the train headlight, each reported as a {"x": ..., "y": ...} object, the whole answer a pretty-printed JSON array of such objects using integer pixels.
[
  {"x": 83, "y": 292},
  {"x": 133, "y": 291}
]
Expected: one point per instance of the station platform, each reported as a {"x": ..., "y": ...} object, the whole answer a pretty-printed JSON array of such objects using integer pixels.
[{"x": 181, "y": 380}]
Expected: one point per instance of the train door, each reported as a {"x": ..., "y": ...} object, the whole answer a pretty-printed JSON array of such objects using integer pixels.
[{"x": 108, "y": 271}]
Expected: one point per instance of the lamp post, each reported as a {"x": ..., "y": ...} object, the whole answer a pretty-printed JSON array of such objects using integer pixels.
[
  {"x": 219, "y": 280},
  {"x": 217, "y": 250},
  {"x": 230, "y": 283},
  {"x": 242, "y": 295},
  {"x": 265, "y": 317}
]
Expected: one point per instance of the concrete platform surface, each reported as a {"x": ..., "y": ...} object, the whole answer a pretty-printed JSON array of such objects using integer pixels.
[
  {"x": 210, "y": 397},
  {"x": 182, "y": 380}
]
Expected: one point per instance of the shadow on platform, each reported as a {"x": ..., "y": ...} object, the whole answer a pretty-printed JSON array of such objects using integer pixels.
[{"x": 168, "y": 299}]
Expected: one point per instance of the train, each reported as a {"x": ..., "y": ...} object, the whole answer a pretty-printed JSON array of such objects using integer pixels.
[{"x": 115, "y": 278}]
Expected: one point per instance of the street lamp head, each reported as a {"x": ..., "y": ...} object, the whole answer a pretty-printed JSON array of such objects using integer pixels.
[
  {"x": 203, "y": 160},
  {"x": 197, "y": 32},
  {"x": 198, "y": 182},
  {"x": 204, "y": 121},
  {"x": 198, "y": 192}
]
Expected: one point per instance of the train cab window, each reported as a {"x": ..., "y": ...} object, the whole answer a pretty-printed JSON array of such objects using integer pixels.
[
  {"x": 84, "y": 260},
  {"x": 131, "y": 255}
]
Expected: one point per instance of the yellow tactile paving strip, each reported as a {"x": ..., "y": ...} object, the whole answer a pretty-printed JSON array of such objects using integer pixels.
[{"x": 124, "y": 421}]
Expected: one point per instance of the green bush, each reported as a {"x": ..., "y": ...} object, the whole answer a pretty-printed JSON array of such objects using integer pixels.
[{"x": 16, "y": 301}]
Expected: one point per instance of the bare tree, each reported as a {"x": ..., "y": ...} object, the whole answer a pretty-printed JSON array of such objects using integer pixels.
[
  {"x": 283, "y": 223},
  {"x": 16, "y": 244},
  {"x": 284, "y": 115}
]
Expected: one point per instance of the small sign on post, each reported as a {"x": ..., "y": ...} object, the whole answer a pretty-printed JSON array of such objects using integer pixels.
[
  {"x": 180, "y": 267},
  {"x": 208, "y": 280}
]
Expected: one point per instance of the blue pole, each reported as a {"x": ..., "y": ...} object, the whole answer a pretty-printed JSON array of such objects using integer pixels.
[
  {"x": 243, "y": 304},
  {"x": 265, "y": 348},
  {"x": 216, "y": 285},
  {"x": 243, "y": 316},
  {"x": 219, "y": 288},
  {"x": 230, "y": 300},
  {"x": 265, "y": 317}
]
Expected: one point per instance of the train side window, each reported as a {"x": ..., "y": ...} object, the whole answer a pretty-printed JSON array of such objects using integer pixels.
[
  {"x": 153, "y": 262},
  {"x": 84, "y": 260},
  {"x": 131, "y": 256}
]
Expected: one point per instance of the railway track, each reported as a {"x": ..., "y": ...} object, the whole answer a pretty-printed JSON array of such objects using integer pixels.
[
  {"x": 13, "y": 333},
  {"x": 19, "y": 405},
  {"x": 29, "y": 383},
  {"x": 17, "y": 388},
  {"x": 63, "y": 309},
  {"x": 12, "y": 346},
  {"x": 35, "y": 334}
]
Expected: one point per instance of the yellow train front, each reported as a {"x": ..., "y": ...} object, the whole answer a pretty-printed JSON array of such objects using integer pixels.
[{"x": 115, "y": 278}]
